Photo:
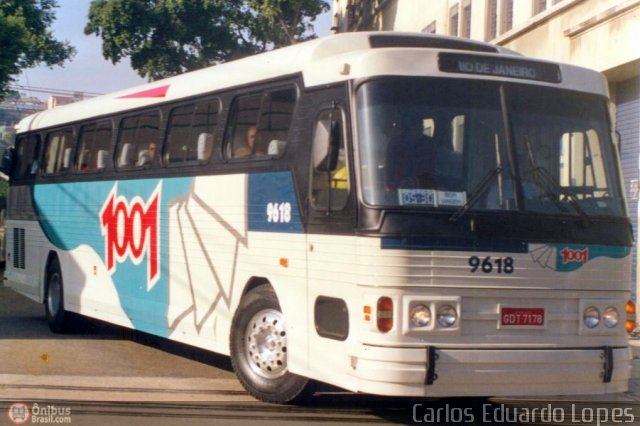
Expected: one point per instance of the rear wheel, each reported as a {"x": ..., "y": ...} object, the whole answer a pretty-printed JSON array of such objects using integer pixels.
[
  {"x": 259, "y": 350},
  {"x": 57, "y": 317}
]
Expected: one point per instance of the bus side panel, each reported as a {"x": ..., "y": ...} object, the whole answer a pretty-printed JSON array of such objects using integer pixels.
[
  {"x": 171, "y": 257},
  {"x": 24, "y": 271},
  {"x": 334, "y": 274},
  {"x": 24, "y": 244},
  {"x": 227, "y": 231}
]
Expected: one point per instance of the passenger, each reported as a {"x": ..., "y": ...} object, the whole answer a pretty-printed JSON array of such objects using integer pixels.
[
  {"x": 250, "y": 140},
  {"x": 146, "y": 156}
]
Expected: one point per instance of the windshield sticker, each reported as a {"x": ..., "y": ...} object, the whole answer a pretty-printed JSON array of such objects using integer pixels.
[
  {"x": 417, "y": 197},
  {"x": 451, "y": 198}
]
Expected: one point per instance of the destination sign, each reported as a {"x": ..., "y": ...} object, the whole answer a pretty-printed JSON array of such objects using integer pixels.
[{"x": 499, "y": 67}]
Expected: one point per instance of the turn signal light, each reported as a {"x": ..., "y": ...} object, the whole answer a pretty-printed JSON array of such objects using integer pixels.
[
  {"x": 630, "y": 310},
  {"x": 384, "y": 314},
  {"x": 367, "y": 312}
]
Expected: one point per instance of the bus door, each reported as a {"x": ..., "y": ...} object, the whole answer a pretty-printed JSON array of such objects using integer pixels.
[{"x": 331, "y": 219}]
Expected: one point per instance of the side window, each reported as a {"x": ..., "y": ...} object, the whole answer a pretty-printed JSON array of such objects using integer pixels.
[
  {"x": 138, "y": 141},
  {"x": 57, "y": 151},
  {"x": 191, "y": 131},
  {"x": 259, "y": 124},
  {"x": 27, "y": 155},
  {"x": 94, "y": 147},
  {"x": 329, "y": 174}
]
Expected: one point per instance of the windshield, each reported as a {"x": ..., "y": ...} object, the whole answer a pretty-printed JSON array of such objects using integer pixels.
[{"x": 480, "y": 145}]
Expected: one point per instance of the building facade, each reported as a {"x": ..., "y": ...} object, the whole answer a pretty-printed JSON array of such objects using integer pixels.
[{"x": 598, "y": 34}]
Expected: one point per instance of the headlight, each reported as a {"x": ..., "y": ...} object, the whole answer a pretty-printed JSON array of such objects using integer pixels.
[
  {"x": 420, "y": 316},
  {"x": 447, "y": 316},
  {"x": 591, "y": 317},
  {"x": 610, "y": 317}
]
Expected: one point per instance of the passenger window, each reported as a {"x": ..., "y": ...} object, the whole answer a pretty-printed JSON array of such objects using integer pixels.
[
  {"x": 94, "y": 147},
  {"x": 259, "y": 124},
  {"x": 138, "y": 141},
  {"x": 191, "y": 131},
  {"x": 330, "y": 177},
  {"x": 58, "y": 151},
  {"x": 27, "y": 156}
]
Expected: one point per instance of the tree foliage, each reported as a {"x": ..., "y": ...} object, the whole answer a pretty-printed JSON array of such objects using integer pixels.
[
  {"x": 26, "y": 39},
  {"x": 169, "y": 37}
]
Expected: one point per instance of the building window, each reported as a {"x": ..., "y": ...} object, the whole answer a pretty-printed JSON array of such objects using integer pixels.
[
  {"x": 430, "y": 29},
  {"x": 454, "y": 19},
  {"x": 466, "y": 19},
  {"x": 492, "y": 19},
  {"x": 506, "y": 16},
  {"x": 539, "y": 6}
]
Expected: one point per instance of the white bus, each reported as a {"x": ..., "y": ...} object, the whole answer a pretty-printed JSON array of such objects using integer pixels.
[{"x": 395, "y": 214}]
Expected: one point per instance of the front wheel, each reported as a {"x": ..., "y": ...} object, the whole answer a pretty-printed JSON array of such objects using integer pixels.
[
  {"x": 259, "y": 350},
  {"x": 57, "y": 317}
]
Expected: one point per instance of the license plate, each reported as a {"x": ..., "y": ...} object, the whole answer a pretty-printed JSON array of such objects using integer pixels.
[{"x": 522, "y": 317}]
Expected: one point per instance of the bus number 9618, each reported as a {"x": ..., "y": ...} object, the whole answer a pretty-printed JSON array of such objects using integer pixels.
[
  {"x": 488, "y": 265},
  {"x": 279, "y": 212}
]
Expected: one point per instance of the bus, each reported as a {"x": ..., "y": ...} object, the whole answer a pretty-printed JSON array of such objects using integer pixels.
[{"x": 389, "y": 213}]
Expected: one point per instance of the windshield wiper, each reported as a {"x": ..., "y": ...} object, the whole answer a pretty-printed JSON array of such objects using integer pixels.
[
  {"x": 477, "y": 192},
  {"x": 541, "y": 172}
]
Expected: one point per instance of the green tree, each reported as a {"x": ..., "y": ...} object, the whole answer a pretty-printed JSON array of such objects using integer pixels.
[
  {"x": 169, "y": 37},
  {"x": 26, "y": 39},
  {"x": 283, "y": 22}
]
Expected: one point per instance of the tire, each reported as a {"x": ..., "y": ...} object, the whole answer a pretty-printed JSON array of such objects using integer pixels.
[
  {"x": 57, "y": 317},
  {"x": 258, "y": 345}
]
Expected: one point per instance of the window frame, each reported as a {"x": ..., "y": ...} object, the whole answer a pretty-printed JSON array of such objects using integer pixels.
[
  {"x": 215, "y": 132},
  {"x": 96, "y": 125},
  {"x": 312, "y": 169},
  {"x": 36, "y": 152},
  {"x": 117, "y": 151},
  {"x": 230, "y": 128},
  {"x": 60, "y": 171}
]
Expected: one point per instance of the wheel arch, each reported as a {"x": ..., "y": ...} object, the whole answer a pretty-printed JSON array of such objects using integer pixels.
[
  {"x": 253, "y": 283},
  {"x": 51, "y": 256},
  {"x": 291, "y": 387}
]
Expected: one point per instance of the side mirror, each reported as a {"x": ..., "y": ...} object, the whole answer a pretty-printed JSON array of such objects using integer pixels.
[{"x": 328, "y": 140}]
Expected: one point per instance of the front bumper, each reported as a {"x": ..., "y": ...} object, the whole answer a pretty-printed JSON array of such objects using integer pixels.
[{"x": 442, "y": 372}]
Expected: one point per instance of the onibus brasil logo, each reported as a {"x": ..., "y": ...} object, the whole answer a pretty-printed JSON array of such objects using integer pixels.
[
  {"x": 131, "y": 231},
  {"x": 19, "y": 413}
]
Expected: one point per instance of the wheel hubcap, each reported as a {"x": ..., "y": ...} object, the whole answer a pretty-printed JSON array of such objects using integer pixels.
[
  {"x": 266, "y": 344},
  {"x": 53, "y": 295}
]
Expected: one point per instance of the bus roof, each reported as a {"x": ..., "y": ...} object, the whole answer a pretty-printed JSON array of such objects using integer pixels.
[{"x": 321, "y": 61}]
